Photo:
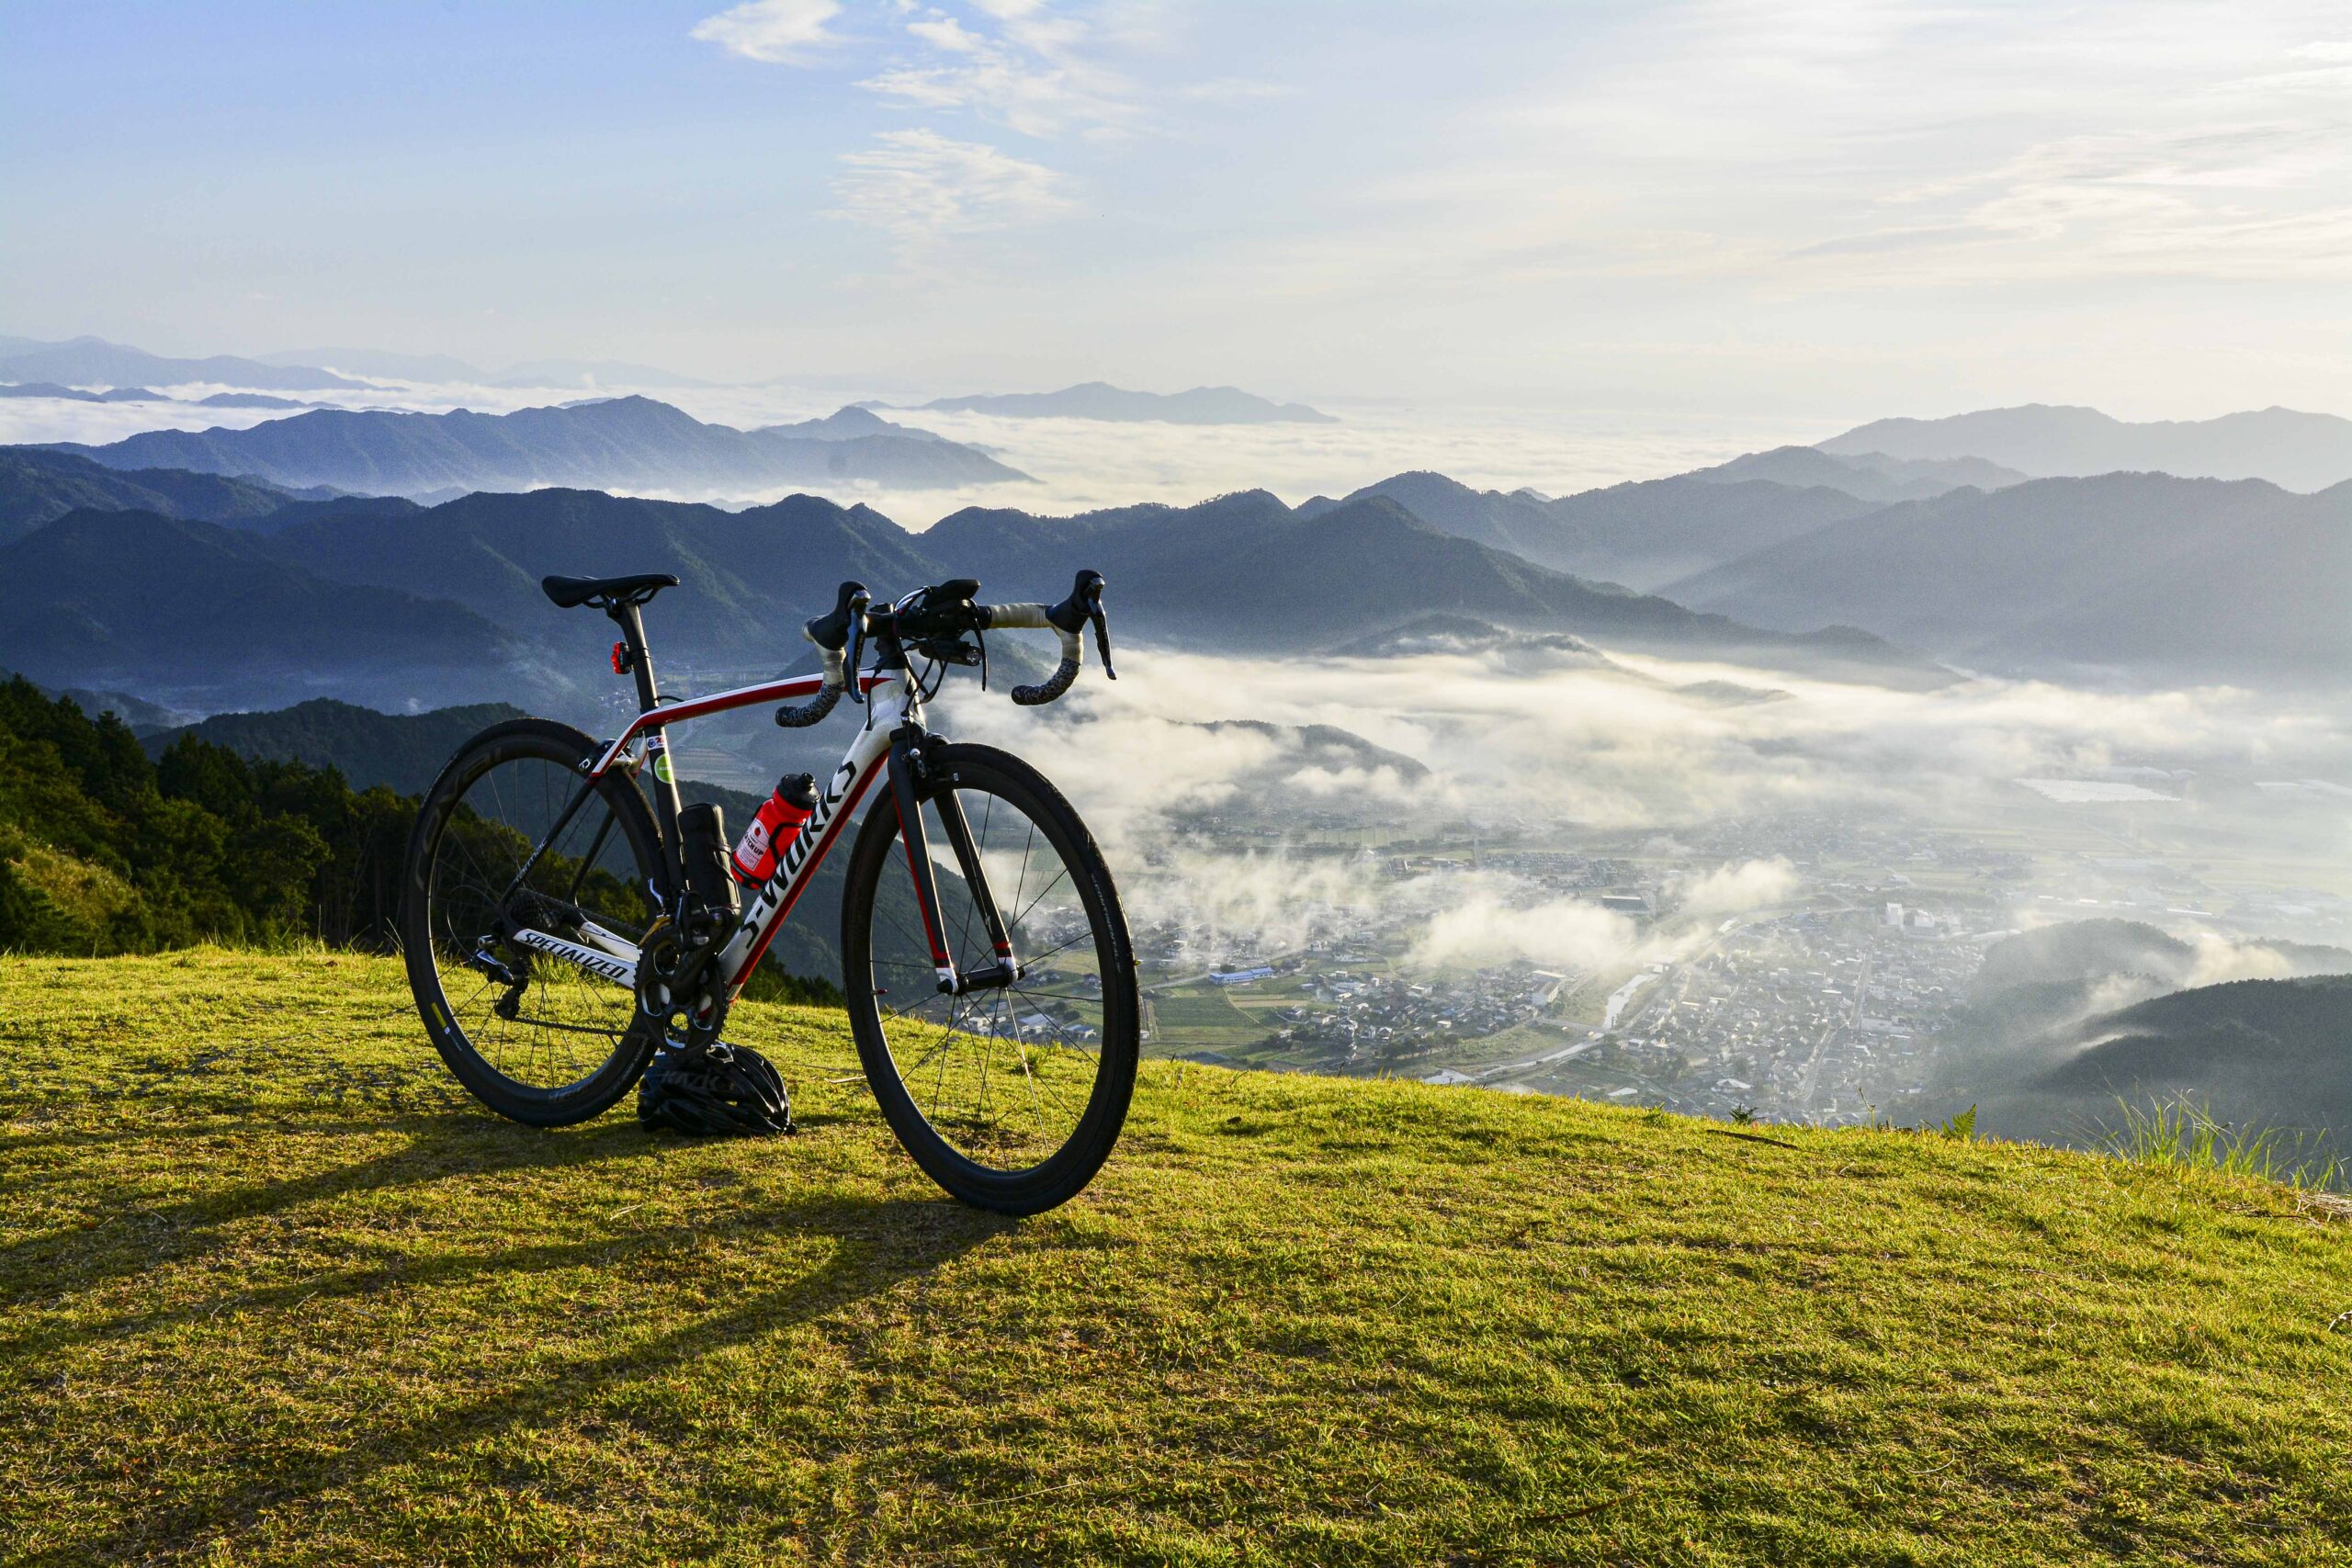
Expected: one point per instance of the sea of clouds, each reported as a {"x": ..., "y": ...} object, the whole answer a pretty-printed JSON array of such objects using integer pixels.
[
  {"x": 1628, "y": 751},
  {"x": 1075, "y": 464}
]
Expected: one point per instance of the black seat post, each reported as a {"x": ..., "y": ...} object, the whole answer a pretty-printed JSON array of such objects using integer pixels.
[{"x": 665, "y": 773}]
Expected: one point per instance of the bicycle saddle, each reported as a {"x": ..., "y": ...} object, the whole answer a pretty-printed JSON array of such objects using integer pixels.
[{"x": 635, "y": 588}]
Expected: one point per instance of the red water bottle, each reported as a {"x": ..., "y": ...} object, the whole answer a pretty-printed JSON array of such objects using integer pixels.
[{"x": 774, "y": 829}]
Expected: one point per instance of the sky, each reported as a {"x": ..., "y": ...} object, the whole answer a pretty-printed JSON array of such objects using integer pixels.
[{"x": 1789, "y": 210}]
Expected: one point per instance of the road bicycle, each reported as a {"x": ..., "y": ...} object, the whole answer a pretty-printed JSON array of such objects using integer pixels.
[{"x": 558, "y": 929}]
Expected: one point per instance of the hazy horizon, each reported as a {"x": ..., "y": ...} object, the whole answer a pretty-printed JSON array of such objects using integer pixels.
[{"x": 1828, "y": 213}]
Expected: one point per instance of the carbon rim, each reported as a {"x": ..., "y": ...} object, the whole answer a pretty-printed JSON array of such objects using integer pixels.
[
  {"x": 541, "y": 1023},
  {"x": 1004, "y": 1078}
]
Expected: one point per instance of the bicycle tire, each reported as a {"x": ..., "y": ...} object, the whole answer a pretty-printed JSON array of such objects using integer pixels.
[
  {"x": 1033, "y": 1185},
  {"x": 427, "y": 899}
]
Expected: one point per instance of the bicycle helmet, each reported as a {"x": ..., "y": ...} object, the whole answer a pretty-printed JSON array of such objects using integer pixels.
[{"x": 713, "y": 1088}]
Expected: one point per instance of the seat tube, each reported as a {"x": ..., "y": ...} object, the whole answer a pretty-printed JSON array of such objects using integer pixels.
[{"x": 664, "y": 769}]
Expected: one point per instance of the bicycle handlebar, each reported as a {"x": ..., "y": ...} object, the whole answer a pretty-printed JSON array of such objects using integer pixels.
[
  {"x": 842, "y": 629},
  {"x": 831, "y": 632},
  {"x": 1067, "y": 619}
]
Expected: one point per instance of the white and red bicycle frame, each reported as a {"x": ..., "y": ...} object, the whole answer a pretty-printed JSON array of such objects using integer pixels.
[{"x": 893, "y": 708}]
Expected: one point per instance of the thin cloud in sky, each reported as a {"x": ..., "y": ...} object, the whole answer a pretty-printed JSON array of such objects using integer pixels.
[
  {"x": 1031, "y": 69},
  {"x": 1037, "y": 71},
  {"x": 1018, "y": 63},
  {"x": 920, "y": 187},
  {"x": 778, "y": 33},
  {"x": 1981, "y": 143}
]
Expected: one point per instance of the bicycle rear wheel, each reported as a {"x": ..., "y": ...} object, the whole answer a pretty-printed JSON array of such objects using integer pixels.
[
  {"x": 1010, "y": 1097},
  {"x": 534, "y": 1037}
]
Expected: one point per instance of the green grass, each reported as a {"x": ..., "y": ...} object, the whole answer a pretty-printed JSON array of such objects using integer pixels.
[
  {"x": 275, "y": 1292},
  {"x": 1194, "y": 1019},
  {"x": 2181, "y": 1132}
]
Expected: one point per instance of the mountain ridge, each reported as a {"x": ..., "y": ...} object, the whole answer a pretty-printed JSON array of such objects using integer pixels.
[
  {"x": 625, "y": 442},
  {"x": 37, "y": 486},
  {"x": 1226, "y": 573},
  {"x": 214, "y": 617},
  {"x": 92, "y": 359},
  {"x": 2293, "y": 450},
  {"x": 2147, "y": 573},
  {"x": 1643, "y": 533}
]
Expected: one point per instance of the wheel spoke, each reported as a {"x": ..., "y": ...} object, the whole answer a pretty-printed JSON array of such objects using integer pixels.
[
  {"x": 482, "y": 841},
  {"x": 993, "y": 1074}
]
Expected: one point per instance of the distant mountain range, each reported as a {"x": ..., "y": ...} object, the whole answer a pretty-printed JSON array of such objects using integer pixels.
[
  {"x": 2139, "y": 576},
  {"x": 1866, "y": 476},
  {"x": 375, "y": 598},
  {"x": 1099, "y": 399},
  {"x": 1640, "y": 534},
  {"x": 1242, "y": 572},
  {"x": 2295, "y": 451},
  {"x": 142, "y": 395},
  {"x": 1246, "y": 573},
  {"x": 2127, "y": 573},
  {"x": 748, "y": 577},
  {"x": 201, "y": 616},
  {"x": 2124, "y": 575},
  {"x": 629, "y": 443},
  {"x": 37, "y": 486},
  {"x": 849, "y": 425},
  {"x": 76, "y": 395},
  {"x": 89, "y": 361}
]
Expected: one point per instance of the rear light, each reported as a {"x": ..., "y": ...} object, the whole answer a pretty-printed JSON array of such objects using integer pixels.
[{"x": 620, "y": 658}]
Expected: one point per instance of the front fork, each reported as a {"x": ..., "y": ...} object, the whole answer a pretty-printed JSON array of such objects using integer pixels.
[{"x": 914, "y": 761}]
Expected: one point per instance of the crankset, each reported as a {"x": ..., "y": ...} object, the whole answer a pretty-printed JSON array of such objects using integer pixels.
[{"x": 671, "y": 967}]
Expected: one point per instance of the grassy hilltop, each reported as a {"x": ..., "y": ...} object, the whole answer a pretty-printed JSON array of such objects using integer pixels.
[{"x": 271, "y": 1289}]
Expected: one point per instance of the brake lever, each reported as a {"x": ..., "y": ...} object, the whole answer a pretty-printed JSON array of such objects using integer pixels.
[
  {"x": 1101, "y": 628},
  {"x": 856, "y": 656}
]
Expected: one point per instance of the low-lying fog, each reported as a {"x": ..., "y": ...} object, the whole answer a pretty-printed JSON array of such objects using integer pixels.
[
  {"x": 1805, "y": 877},
  {"x": 1080, "y": 464},
  {"x": 1663, "y": 748}
]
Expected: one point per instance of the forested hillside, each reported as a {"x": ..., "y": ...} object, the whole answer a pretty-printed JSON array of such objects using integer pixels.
[{"x": 104, "y": 849}]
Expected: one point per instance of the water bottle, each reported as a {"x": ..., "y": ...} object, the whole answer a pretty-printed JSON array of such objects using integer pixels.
[{"x": 773, "y": 829}]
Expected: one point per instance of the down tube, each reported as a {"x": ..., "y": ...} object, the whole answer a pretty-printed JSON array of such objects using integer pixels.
[{"x": 836, "y": 803}]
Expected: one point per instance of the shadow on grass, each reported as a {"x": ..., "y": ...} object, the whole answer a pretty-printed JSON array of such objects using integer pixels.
[
  {"x": 437, "y": 1147},
  {"x": 882, "y": 1242}
]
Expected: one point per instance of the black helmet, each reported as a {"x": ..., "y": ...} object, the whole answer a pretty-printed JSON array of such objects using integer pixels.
[{"x": 712, "y": 1088}]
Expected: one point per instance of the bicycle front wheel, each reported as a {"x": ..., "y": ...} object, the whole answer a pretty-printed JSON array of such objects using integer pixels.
[{"x": 1011, "y": 1097}]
